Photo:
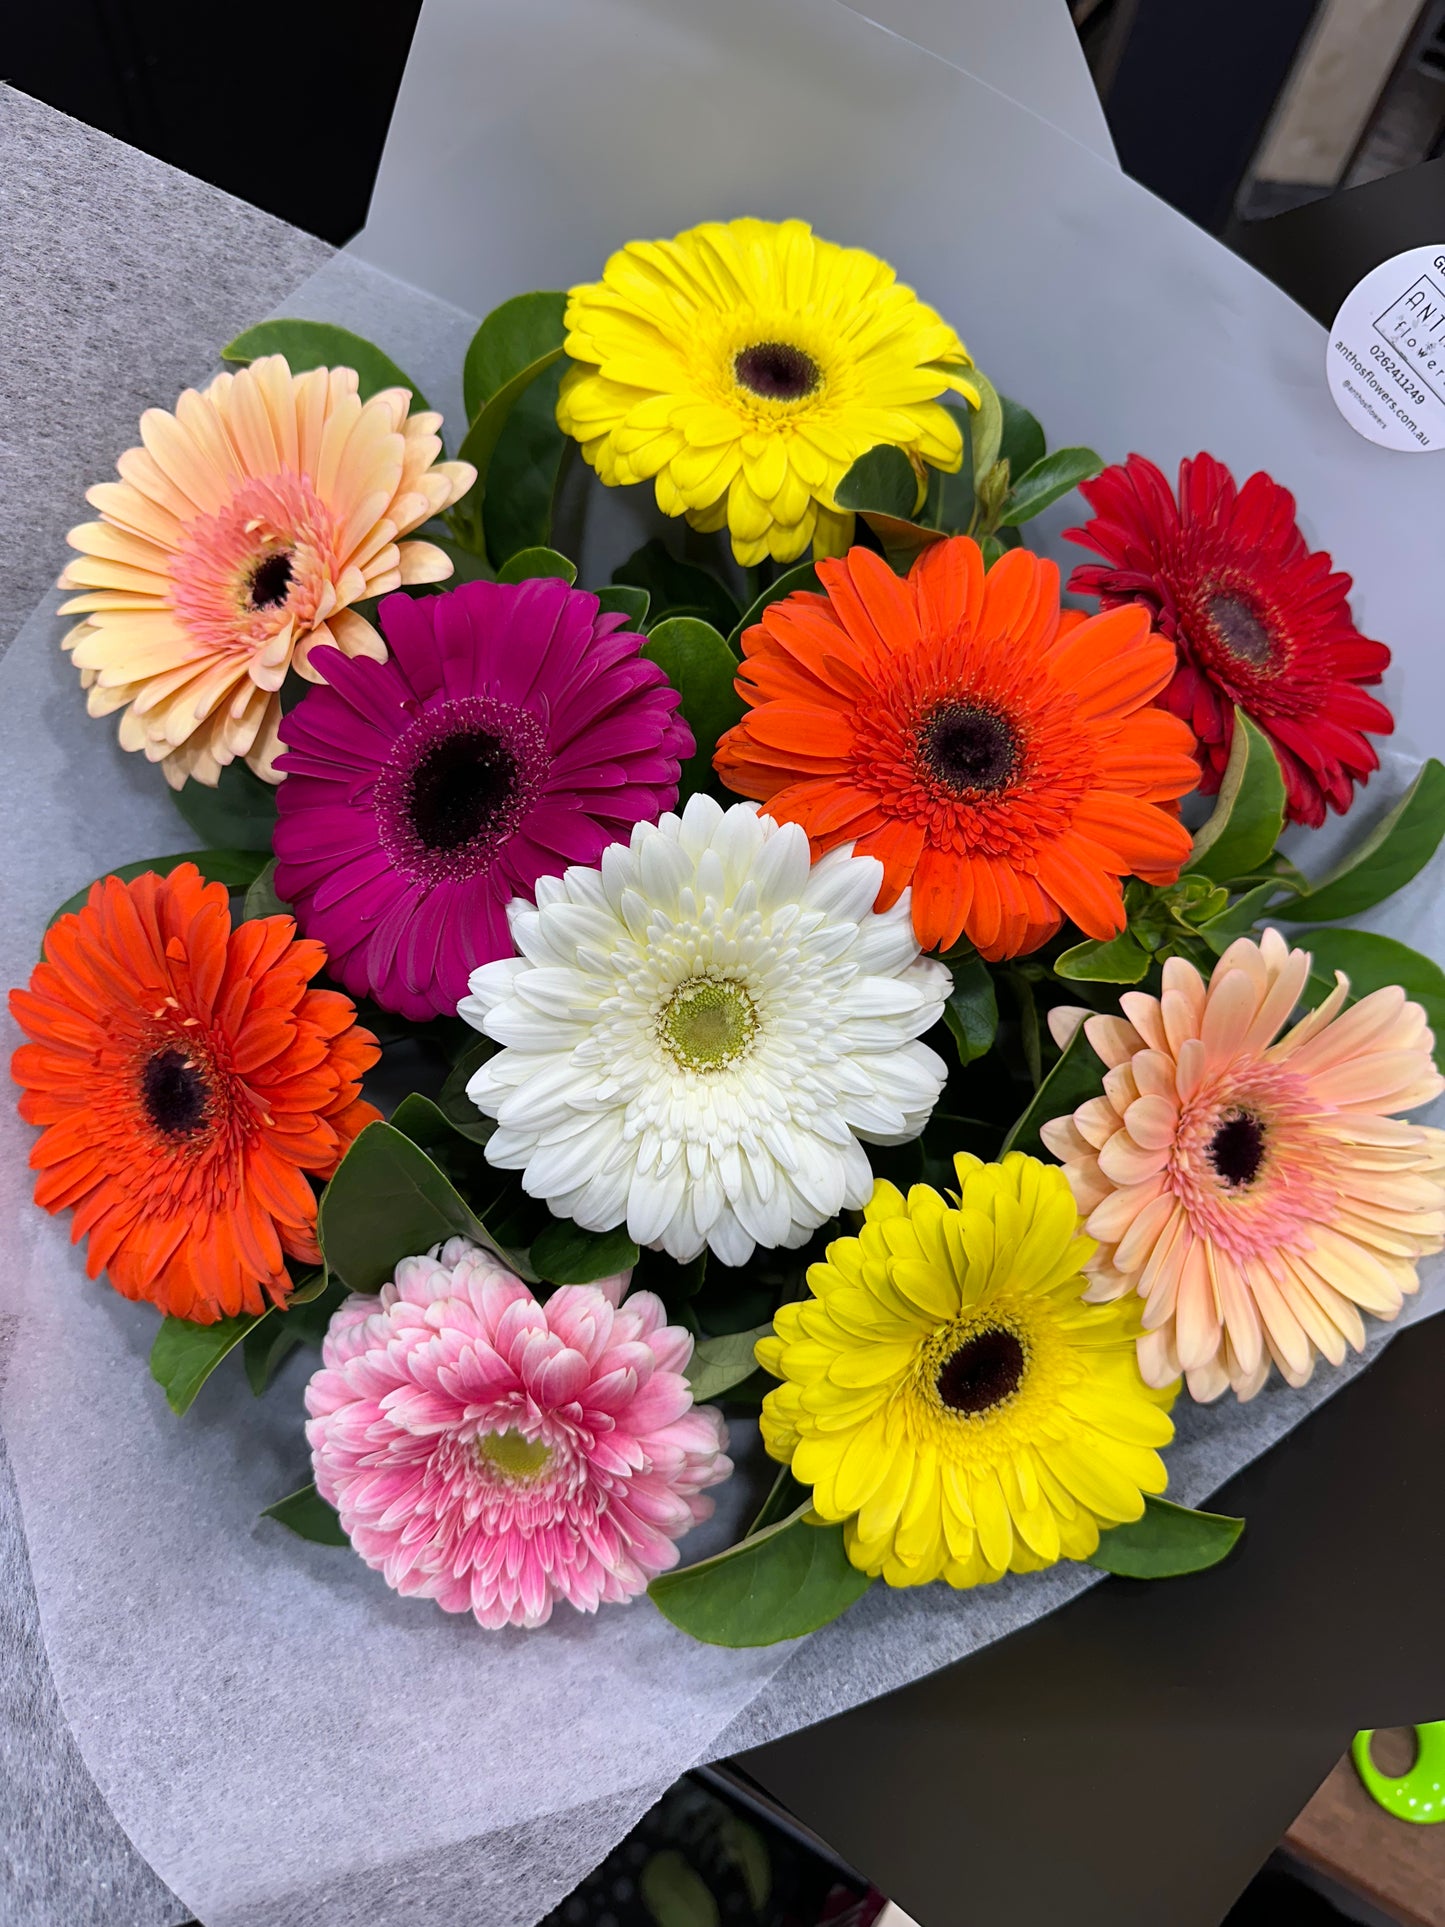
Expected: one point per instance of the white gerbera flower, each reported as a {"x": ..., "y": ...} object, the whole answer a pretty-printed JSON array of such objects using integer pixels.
[{"x": 698, "y": 1033}]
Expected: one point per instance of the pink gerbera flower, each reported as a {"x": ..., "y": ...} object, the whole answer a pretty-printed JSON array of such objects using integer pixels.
[
  {"x": 496, "y": 1454},
  {"x": 514, "y": 730},
  {"x": 1257, "y": 1194}
]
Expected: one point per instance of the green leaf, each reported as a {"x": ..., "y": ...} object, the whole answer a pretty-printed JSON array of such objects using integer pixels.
[
  {"x": 1397, "y": 849},
  {"x": 565, "y": 1254},
  {"x": 479, "y": 444},
  {"x": 526, "y": 468},
  {"x": 1022, "y": 444},
  {"x": 971, "y": 1012},
  {"x": 275, "y": 1337},
  {"x": 528, "y": 563},
  {"x": 952, "y": 499},
  {"x": 235, "y": 868},
  {"x": 883, "y": 480},
  {"x": 675, "y": 1893},
  {"x": 261, "y": 897},
  {"x": 320, "y": 344},
  {"x": 239, "y": 813},
  {"x": 1371, "y": 962},
  {"x": 718, "y": 1364},
  {"x": 1122, "y": 960},
  {"x": 985, "y": 425},
  {"x": 1249, "y": 814},
  {"x": 1048, "y": 481},
  {"x": 702, "y": 669},
  {"x": 389, "y": 1201},
  {"x": 805, "y": 576},
  {"x": 184, "y": 1355},
  {"x": 452, "y": 1100},
  {"x": 785, "y": 1497},
  {"x": 1242, "y": 915},
  {"x": 308, "y": 1515},
  {"x": 1078, "y": 1075},
  {"x": 788, "y": 1580},
  {"x": 511, "y": 338},
  {"x": 618, "y": 599},
  {"x": 1167, "y": 1541},
  {"x": 903, "y": 542},
  {"x": 677, "y": 588}
]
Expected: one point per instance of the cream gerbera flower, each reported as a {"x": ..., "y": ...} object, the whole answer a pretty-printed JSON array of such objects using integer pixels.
[
  {"x": 951, "y": 1395},
  {"x": 235, "y": 541},
  {"x": 744, "y": 366},
  {"x": 1258, "y": 1195},
  {"x": 698, "y": 1033}
]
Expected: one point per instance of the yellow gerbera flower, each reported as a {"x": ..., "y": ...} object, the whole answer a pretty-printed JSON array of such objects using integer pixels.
[
  {"x": 744, "y": 366},
  {"x": 949, "y": 1393}
]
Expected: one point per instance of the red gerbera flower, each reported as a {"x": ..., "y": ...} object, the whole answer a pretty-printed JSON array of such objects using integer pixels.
[{"x": 1259, "y": 618}]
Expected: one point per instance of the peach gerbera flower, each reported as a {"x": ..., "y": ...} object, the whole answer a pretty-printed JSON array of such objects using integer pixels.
[
  {"x": 236, "y": 540},
  {"x": 1257, "y": 1194},
  {"x": 189, "y": 1081},
  {"x": 1004, "y": 760}
]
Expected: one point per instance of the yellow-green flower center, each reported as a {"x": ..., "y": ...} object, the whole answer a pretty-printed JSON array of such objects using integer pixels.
[
  {"x": 513, "y": 1455},
  {"x": 707, "y": 1024}
]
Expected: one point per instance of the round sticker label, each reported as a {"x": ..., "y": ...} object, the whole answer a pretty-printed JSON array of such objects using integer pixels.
[{"x": 1386, "y": 358}]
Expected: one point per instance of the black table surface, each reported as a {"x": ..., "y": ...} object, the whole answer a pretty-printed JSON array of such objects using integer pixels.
[{"x": 1133, "y": 1759}]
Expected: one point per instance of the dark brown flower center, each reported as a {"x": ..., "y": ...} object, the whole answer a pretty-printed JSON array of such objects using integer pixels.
[
  {"x": 1241, "y": 630},
  {"x": 1237, "y": 1148},
  {"x": 461, "y": 787},
  {"x": 985, "y": 1370},
  {"x": 777, "y": 371},
  {"x": 968, "y": 747},
  {"x": 270, "y": 582},
  {"x": 173, "y": 1091}
]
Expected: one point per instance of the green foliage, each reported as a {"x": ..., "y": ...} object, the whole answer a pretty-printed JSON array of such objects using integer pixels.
[
  {"x": 1371, "y": 962},
  {"x": 238, "y": 814},
  {"x": 785, "y": 1498},
  {"x": 525, "y": 473},
  {"x": 1022, "y": 443},
  {"x": 1122, "y": 960},
  {"x": 467, "y": 565},
  {"x": 677, "y": 588},
  {"x": 619, "y": 599},
  {"x": 883, "y": 481},
  {"x": 1168, "y": 1541},
  {"x": 718, "y": 1364},
  {"x": 261, "y": 898},
  {"x": 453, "y": 1102},
  {"x": 971, "y": 1012},
  {"x": 389, "y": 1201},
  {"x": 1048, "y": 481},
  {"x": 482, "y": 439},
  {"x": 235, "y": 868},
  {"x": 184, "y": 1355},
  {"x": 529, "y": 563},
  {"x": 675, "y": 1893},
  {"x": 1078, "y": 1075},
  {"x": 952, "y": 500},
  {"x": 788, "y": 1580},
  {"x": 511, "y": 338},
  {"x": 804, "y": 576},
  {"x": 319, "y": 344},
  {"x": 565, "y": 1254},
  {"x": 1396, "y": 850},
  {"x": 308, "y": 1515},
  {"x": 985, "y": 428},
  {"x": 273, "y": 1338},
  {"x": 702, "y": 669},
  {"x": 1247, "y": 819}
]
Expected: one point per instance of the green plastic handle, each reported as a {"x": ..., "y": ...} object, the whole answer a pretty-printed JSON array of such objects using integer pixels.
[{"x": 1417, "y": 1796}]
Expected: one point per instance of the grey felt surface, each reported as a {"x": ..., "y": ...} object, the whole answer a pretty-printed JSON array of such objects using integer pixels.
[{"x": 122, "y": 277}]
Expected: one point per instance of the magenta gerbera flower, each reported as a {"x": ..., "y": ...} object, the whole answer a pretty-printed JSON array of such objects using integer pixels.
[
  {"x": 496, "y": 1454},
  {"x": 514, "y": 729}
]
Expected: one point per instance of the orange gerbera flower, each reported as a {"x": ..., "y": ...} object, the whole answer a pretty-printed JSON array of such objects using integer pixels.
[
  {"x": 188, "y": 1081},
  {"x": 1003, "y": 760}
]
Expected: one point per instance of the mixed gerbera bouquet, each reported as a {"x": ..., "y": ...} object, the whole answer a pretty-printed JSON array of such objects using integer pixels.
[{"x": 821, "y": 974}]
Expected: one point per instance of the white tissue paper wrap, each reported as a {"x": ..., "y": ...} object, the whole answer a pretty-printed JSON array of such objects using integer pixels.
[{"x": 283, "y": 1738}]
